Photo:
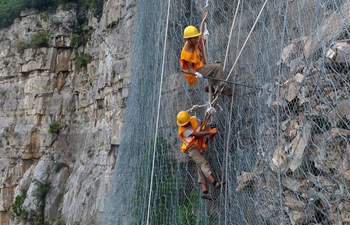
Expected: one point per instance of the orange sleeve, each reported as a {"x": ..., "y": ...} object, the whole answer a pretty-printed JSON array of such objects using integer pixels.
[{"x": 192, "y": 57}]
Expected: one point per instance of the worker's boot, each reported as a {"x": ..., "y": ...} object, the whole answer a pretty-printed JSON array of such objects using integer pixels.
[
  {"x": 219, "y": 184},
  {"x": 207, "y": 196}
]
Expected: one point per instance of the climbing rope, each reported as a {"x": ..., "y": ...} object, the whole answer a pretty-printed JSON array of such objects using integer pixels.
[
  {"x": 196, "y": 107},
  {"x": 158, "y": 112},
  {"x": 239, "y": 54},
  {"x": 203, "y": 38},
  {"x": 231, "y": 108},
  {"x": 230, "y": 35},
  {"x": 245, "y": 42},
  {"x": 214, "y": 101},
  {"x": 230, "y": 119}
]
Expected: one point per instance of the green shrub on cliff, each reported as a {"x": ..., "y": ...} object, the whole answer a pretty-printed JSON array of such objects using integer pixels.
[
  {"x": 82, "y": 60},
  {"x": 17, "y": 208},
  {"x": 11, "y": 9},
  {"x": 54, "y": 127},
  {"x": 39, "y": 40}
]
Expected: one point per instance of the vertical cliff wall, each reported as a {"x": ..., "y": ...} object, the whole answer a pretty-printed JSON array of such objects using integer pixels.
[
  {"x": 62, "y": 109},
  {"x": 88, "y": 114}
]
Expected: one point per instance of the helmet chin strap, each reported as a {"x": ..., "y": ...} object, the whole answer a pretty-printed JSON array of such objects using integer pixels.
[
  {"x": 190, "y": 39},
  {"x": 192, "y": 42}
]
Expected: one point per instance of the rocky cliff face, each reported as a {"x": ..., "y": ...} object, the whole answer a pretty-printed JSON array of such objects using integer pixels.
[
  {"x": 62, "y": 108},
  {"x": 312, "y": 105}
]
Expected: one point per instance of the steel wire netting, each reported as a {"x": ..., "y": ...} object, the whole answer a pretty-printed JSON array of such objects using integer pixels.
[{"x": 283, "y": 141}]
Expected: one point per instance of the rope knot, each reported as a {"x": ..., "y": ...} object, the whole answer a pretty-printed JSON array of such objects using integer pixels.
[{"x": 211, "y": 110}]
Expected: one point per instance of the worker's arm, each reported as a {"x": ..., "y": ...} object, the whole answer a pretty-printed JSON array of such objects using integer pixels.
[
  {"x": 190, "y": 69},
  {"x": 200, "y": 133},
  {"x": 204, "y": 132}
]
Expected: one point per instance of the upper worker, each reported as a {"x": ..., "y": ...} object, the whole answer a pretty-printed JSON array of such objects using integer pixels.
[{"x": 192, "y": 65}]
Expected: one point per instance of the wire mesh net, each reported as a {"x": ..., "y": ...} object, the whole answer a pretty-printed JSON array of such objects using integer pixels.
[{"x": 282, "y": 146}]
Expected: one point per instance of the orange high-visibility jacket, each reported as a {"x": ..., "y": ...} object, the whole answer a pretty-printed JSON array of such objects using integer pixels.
[
  {"x": 193, "y": 57},
  {"x": 199, "y": 142}
]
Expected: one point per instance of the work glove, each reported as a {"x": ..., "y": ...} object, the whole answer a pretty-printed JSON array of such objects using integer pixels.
[
  {"x": 213, "y": 130},
  {"x": 198, "y": 75},
  {"x": 206, "y": 34}
]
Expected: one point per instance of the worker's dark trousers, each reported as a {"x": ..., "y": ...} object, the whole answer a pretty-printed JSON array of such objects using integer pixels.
[{"x": 213, "y": 70}]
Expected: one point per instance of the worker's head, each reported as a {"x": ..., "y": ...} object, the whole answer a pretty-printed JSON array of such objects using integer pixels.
[
  {"x": 183, "y": 118},
  {"x": 191, "y": 32}
]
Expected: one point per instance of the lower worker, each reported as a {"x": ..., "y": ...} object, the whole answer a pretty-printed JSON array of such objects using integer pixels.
[{"x": 193, "y": 144}]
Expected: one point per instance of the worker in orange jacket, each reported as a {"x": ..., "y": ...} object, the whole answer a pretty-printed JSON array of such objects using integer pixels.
[
  {"x": 192, "y": 65},
  {"x": 193, "y": 145}
]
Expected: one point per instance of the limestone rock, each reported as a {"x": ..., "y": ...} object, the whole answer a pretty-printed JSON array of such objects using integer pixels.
[
  {"x": 41, "y": 87},
  {"x": 311, "y": 115},
  {"x": 331, "y": 29}
]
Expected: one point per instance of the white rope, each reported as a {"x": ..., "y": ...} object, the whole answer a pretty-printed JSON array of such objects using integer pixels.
[
  {"x": 196, "y": 107},
  {"x": 206, "y": 39},
  {"x": 230, "y": 36},
  {"x": 157, "y": 121},
  {"x": 226, "y": 204},
  {"x": 245, "y": 42},
  {"x": 205, "y": 46},
  {"x": 231, "y": 109}
]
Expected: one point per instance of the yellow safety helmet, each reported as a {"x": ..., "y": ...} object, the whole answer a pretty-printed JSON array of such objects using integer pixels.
[
  {"x": 183, "y": 118},
  {"x": 191, "y": 32}
]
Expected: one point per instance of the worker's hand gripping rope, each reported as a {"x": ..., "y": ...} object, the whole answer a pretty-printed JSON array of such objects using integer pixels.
[{"x": 213, "y": 130}]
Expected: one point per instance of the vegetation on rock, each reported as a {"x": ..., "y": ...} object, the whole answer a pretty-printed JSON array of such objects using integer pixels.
[
  {"x": 54, "y": 127},
  {"x": 11, "y": 9}
]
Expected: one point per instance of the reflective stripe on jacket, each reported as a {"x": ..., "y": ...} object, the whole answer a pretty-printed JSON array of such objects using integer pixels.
[
  {"x": 199, "y": 142},
  {"x": 192, "y": 57}
]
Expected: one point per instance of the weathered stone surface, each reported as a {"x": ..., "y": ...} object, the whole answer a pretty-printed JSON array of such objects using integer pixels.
[
  {"x": 298, "y": 146},
  {"x": 63, "y": 61},
  {"x": 293, "y": 184},
  {"x": 331, "y": 29},
  {"x": 311, "y": 154},
  {"x": 38, "y": 59},
  {"x": 342, "y": 52},
  {"x": 40, "y": 86},
  {"x": 244, "y": 180}
]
